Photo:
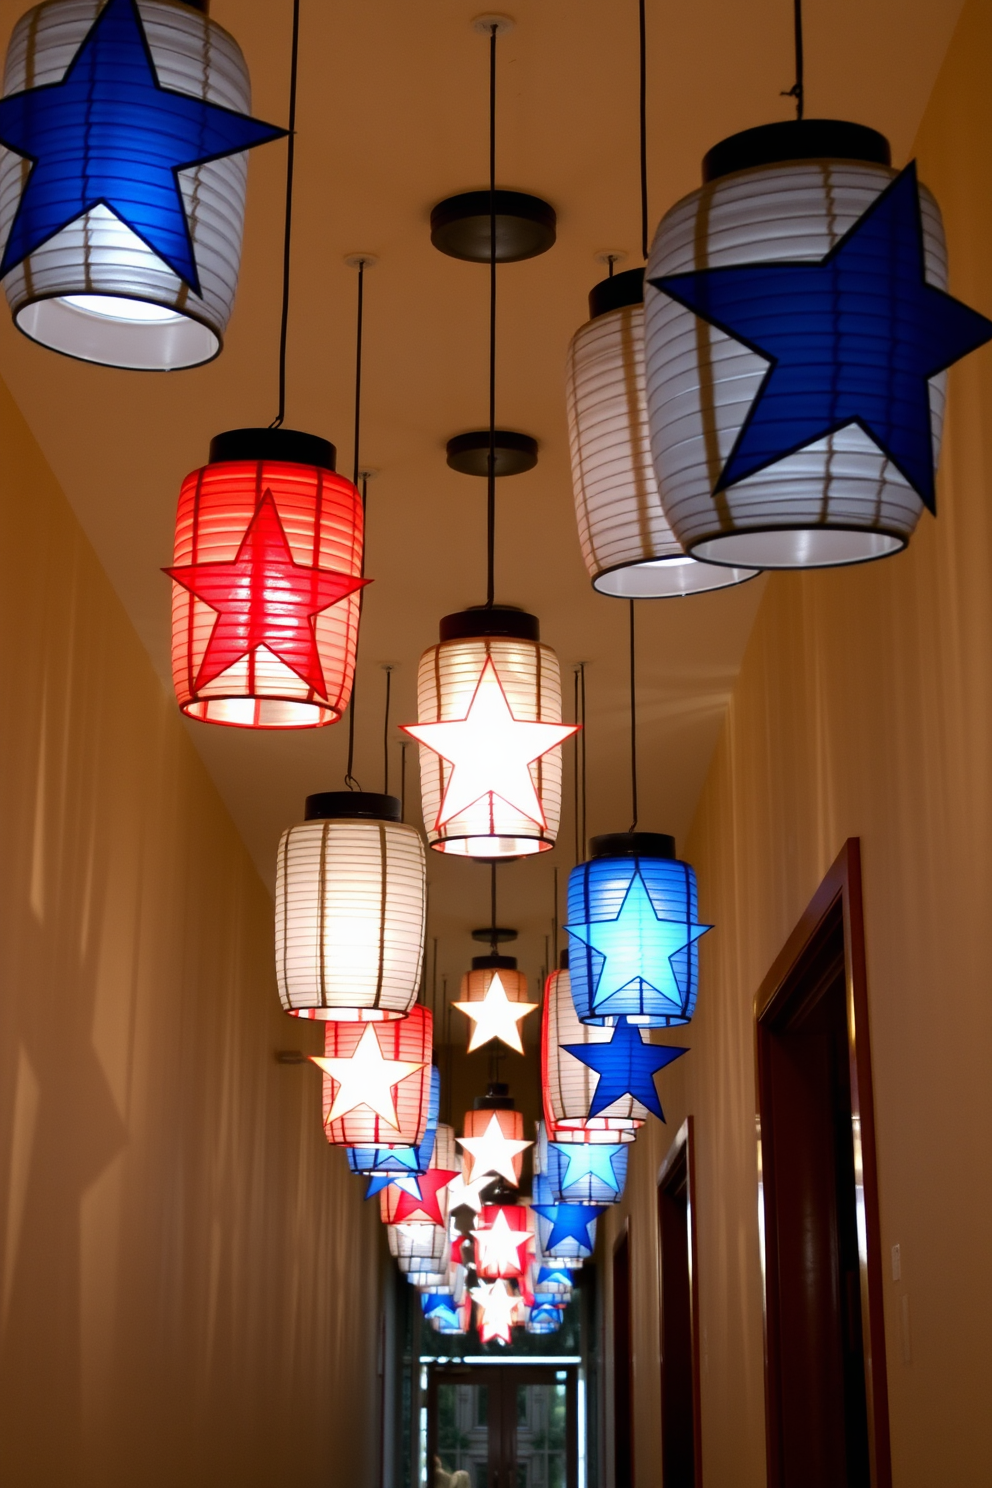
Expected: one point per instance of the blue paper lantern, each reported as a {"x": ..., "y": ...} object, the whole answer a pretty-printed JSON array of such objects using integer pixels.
[
  {"x": 587, "y": 1172},
  {"x": 564, "y": 1230},
  {"x": 122, "y": 186},
  {"x": 544, "y": 1318},
  {"x": 632, "y": 918},
  {"x": 389, "y": 1162}
]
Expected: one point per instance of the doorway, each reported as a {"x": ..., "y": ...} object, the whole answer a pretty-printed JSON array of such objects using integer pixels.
[
  {"x": 503, "y": 1426},
  {"x": 623, "y": 1367},
  {"x": 826, "y": 1405},
  {"x": 681, "y": 1457}
]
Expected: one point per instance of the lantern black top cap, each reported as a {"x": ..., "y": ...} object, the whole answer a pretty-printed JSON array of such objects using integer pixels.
[
  {"x": 632, "y": 845},
  {"x": 617, "y": 293},
  {"x": 525, "y": 226},
  {"x": 563, "y": 960},
  {"x": 496, "y": 1098},
  {"x": 795, "y": 139},
  {"x": 494, "y": 963},
  {"x": 514, "y": 453},
  {"x": 288, "y": 445},
  {"x": 490, "y": 620},
  {"x": 352, "y": 806}
]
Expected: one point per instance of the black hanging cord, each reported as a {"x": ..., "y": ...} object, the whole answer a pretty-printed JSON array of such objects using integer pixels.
[
  {"x": 288, "y": 237},
  {"x": 385, "y": 751},
  {"x": 554, "y": 926},
  {"x": 582, "y": 735},
  {"x": 403, "y": 782},
  {"x": 633, "y": 724},
  {"x": 358, "y": 366},
  {"x": 798, "y": 89},
  {"x": 493, "y": 942},
  {"x": 491, "y": 470},
  {"x": 349, "y": 778},
  {"x": 644, "y": 130},
  {"x": 575, "y": 764}
]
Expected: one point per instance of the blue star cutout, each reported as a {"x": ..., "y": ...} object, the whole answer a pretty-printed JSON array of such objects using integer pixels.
[
  {"x": 109, "y": 134},
  {"x": 594, "y": 1160},
  {"x": 851, "y": 339},
  {"x": 570, "y": 1222},
  {"x": 638, "y": 948},
  {"x": 561, "y": 1275},
  {"x": 626, "y": 1066},
  {"x": 440, "y": 1305},
  {"x": 379, "y": 1181}
]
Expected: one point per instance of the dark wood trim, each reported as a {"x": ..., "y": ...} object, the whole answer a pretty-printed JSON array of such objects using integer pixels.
[
  {"x": 502, "y": 1380},
  {"x": 685, "y": 1140},
  {"x": 623, "y": 1239},
  {"x": 842, "y": 883}
]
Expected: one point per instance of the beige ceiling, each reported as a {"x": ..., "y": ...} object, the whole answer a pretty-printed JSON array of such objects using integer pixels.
[{"x": 392, "y": 117}]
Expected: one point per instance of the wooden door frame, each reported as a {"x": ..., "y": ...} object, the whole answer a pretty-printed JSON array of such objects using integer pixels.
[
  {"x": 474, "y": 1372},
  {"x": 685, "y": 1141},
  {"x": 842, "y": 885},
  {"x": 623, "y": 1238}
]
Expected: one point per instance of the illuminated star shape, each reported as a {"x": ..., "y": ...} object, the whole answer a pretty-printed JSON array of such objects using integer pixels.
[
  {"x": 498, "y": 1309},
  {"x": 496, "y": 1017},
  {"x": 626, "y": 1066},
  {"x": 264, "y": 598},
  {"x": 638, "y": 948},
  {"x": 570, "y": 1222},
  {"x": 852, "y": 338},
  {"x": 494, "y": 1153},
  {"x": 109, "y": 134},
  {"x": 425, "y": 1205},
  {"x": 490, "y": 752},
  {"x": 381, "y": 1181},
  {"x": 554, "y": 1276},
  {"x": 591, "y": 1160},
  {"x": 366, "y": 1079},
  {"x": 440, "y": 1307},
  {"x": 499, "y": 1248},
  {"x": 462, "y": 1193}
]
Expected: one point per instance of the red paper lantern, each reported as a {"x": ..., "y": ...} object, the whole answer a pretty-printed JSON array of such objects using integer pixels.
[
  {"x": 377, "y": 1081},
  {"x": 493, "y": 1142},
  {"x": 423, "y": 1198},
  {"x": 503, "y": 1241},
  {"x": 268, "y": 564}
]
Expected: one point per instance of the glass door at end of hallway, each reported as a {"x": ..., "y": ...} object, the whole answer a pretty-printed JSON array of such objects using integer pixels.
[{"x": 502, "y": 1426}]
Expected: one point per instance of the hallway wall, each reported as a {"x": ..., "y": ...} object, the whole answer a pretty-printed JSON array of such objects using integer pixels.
[
  {"x": 188, "y": 1280},
  {"x": 864, "y": 708}
]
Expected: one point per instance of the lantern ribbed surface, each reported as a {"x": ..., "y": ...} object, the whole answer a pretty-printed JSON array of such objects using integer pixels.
[
  {"x": 398, "y": 1206},
  {"x": 838, "y": 500},
  {"x": 476, "y": 983},
  {"x": 403, "y": 1041},
  {"x": 449, "y": 676},
  {"x": 477, "y": 1124},
  {"x": 418, "y": 1248},
  {"x": 224, "y": 667},
  {"x": 568, "y": 1084},
  {"x": 507, "y": 1260},
  {"x": 350, "y": 906},
  {"x": 642, "y": 911},
  {"x": 629, "y": 548},
  {"x": 97, "y": 254},
  {"x": 394, "y": 1161}
]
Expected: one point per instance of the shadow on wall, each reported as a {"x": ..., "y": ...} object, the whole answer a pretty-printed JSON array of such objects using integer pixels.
[{"x": 188, "y": 1282}]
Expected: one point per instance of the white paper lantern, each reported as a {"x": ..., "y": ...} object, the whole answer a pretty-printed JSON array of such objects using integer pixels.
[
  {"x": 490, "y": 672},
  {"x": 419, "y": 1249},
  {"x": 568, "y": 1084},
  {"x": 627, "y": 542},
  {"x": 350, "y": 907},
  {"x": 836, "y": 501},
  {"x": 96, "y": 290}
]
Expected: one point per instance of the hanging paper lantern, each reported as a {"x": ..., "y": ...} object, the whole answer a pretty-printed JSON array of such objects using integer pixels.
[
  {"x": 493, "y": 1142},
  {"x": 565, "y": 1230},
  {"x": 797, "y": 333},
  {"x": 499, "y": 1311},
  {"x": 489, "y": 704},
  {"x": 568, "y": 1085},
  {"x": 632, "y": 920},
  {"x": 377, "y": 1081},
  {"x": 494, "y": 999},
  {"x": 502, "y": 1241},
  {"x": 423, "y": 1198},
  {"x": 551, "y": 1280},
  {"x": 544, "y": 1318},
  {"x": 382, "y": 1164},
  {"x": 350, "y": 905},
  {"x": 444, "y": 1314},
  {"x": 418, "y": 1248},
  {"x": 627, "y": 542},
  {"x": 122, "y": 187},
  {"x": 587, "y": 1172},
  {"x": 268, "y": 564}
]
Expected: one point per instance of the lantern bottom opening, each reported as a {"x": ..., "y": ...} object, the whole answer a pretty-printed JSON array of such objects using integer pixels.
[
  {"x": 798, "y": 547},
  {"x": 668, "y": 578},
  {"x": 493, "y": 847},
  {"x": 602, "y": 1129},
  {"x": 346, "y": 1015},
  {"x": 260, "y": 712},
  {"x": 135, "y": 334}
]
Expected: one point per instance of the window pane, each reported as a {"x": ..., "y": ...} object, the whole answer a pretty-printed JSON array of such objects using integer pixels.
[
  {"x": 541, "y": 1424},
  {"x": 463, "y": 1433}
]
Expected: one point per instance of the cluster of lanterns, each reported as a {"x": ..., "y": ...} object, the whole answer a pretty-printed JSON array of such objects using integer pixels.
[{"x": 767, "y": 393}]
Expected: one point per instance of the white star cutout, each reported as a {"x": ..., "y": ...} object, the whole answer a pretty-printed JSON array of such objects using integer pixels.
[
  {"x": 499, "y": 1248},
  {"x": 493, "y": 1153},
  {"x": 462, "y": 1192},
  {"x": 496, "y": 1017},
  {"x": 366, "y": 1079},
  {"x": 498, "y": 1308},
  {"x": 489, "y": 752}
]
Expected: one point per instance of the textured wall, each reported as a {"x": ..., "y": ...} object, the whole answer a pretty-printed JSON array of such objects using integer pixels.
[
  {"x": 864, "y": 708},
  {"x": 188, "y": 1283}
]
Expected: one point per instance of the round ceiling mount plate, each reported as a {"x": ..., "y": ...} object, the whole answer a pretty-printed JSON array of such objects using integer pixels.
[
  {"x": 485, "y": 23},
  {"x": 526, "y": 226},
  {"x": 469, "y": 453},
  {"x": 501, "y": 935}
]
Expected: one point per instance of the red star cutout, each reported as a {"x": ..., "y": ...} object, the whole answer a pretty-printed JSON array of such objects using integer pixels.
[
  {"x": 427, "y": 1206},
  {"x": 264, "y": 598},
  {"x": 490, "y": 752}
]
